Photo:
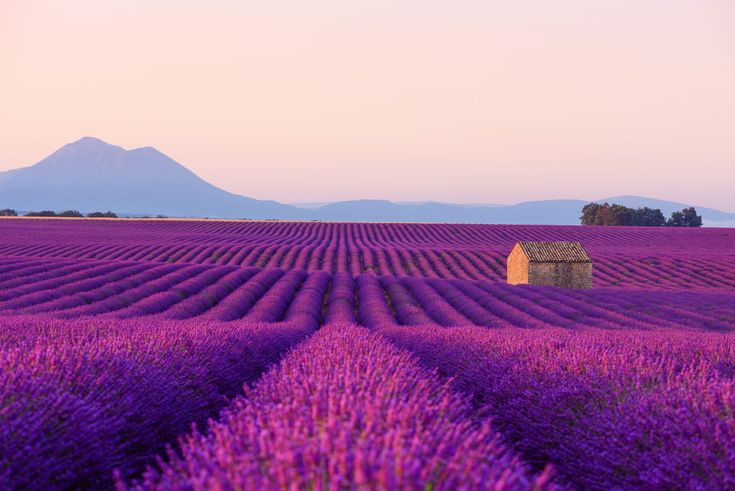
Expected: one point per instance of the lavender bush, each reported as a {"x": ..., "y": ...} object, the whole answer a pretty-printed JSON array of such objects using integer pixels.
[
  {"x": 345, "y": 410},
  {"x": 117, "y": 336},
  {"x": 81, "y": 398},
  {"x": 608, "y": 408}
]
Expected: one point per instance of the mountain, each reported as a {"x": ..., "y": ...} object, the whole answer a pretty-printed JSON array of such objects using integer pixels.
[
  {"x": 537, "y": 212},
  {"x": 90, "y": 174},
  {"x": 545, "y": 212},
  {"x": 8, "y": 173}
]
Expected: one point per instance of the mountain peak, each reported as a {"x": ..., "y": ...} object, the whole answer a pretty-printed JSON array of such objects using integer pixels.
[
  {"x": 90, "y": 174},
  {"x": 148, "y": 151},
  {"x": 89, "y": 141},
  {"x": 90, "y": 145}
]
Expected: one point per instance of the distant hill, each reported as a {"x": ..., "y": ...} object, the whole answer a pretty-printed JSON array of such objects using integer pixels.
[
  {"x": 90, "y": 175},
  {"x": 8, "y": 174},
  {"x": 545, "y": 212},
  {"x": 537, "y": 212}
]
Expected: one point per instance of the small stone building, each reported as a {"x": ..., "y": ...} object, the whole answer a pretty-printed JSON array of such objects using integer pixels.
[{"x": 560, "y": 264}]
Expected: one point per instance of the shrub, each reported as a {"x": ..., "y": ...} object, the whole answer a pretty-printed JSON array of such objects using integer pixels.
[
  {"x": 71, "y": 213},
  {"x": 44, "y": 213},
  {"x": 99, "y": 214}
]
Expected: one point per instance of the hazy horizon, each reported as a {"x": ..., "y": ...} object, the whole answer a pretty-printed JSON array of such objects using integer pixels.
[{"x": 473, "y": 102}]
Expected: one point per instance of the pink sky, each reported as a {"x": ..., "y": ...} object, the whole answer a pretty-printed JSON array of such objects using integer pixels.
[{"x": 322, "y": 100}]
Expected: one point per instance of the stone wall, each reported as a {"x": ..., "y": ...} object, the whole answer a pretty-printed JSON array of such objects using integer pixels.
[
  {"x": 563, "y": 275},
  {"x": 517, "y": 267}
]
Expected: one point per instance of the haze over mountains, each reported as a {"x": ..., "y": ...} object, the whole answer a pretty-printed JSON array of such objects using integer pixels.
[{"x": 89, "y": 175}]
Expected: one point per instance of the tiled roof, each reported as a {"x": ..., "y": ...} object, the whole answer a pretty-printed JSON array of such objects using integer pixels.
[{"x": 555, "y": 252}]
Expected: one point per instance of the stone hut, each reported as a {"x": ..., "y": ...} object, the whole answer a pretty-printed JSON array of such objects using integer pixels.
[{"x": 560, "y": 264}]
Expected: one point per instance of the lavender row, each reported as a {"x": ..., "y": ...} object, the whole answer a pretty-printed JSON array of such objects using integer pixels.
[
  {"x": 467, "y": 265},
  {"x": 237, "y": 304},
  {"x": 165, "y": 299},
  {"x": 308, "y": 307},
  {"x": 23, "y": 272},
  {"x": 345, "y": 410},
  {"x": 273, "y": 305},
  {"x": 353, "y": 235},
  {"x": 265, "y": 295},
  {"x": 79, "y": 399},
  {"x": 170, "y": 277},
  {"x": 70, "y": 298},
  {"x": 625, "y": 258},
  {"x": 210, "y": 295},
  {"x": 70, "y": 285},
  {"x": 608, "y": 409},
  {"x": 54, "y": 279}
]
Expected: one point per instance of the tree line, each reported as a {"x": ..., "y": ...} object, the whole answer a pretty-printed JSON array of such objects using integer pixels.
[
  {"x": 7, "y": 212},
  {"x": 615, "y": 214}
]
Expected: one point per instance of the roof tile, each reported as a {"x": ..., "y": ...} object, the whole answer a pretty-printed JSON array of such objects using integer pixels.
[{"x": 555, "y": 252}]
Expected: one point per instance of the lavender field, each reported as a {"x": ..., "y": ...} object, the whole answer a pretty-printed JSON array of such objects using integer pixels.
[{"x": 182, "y": 354}]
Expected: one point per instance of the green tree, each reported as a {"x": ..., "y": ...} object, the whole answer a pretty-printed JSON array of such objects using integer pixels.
[
  {"x": 685, "y": 218},
  {"x": 589, "y": 214},
  {"x": 617, "y": 215},
  {"x": 602, "y": 212},
  {"x": 70, "y": 213},
  {"x": 676, "y": 219},
  {"x": 99, "y": 214},
  {"x": 648, "y": 217},
  {"x": 691, "y": 218},
  {"x": 7, "y": 212},
  {"x": 44, "y": 213}
]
